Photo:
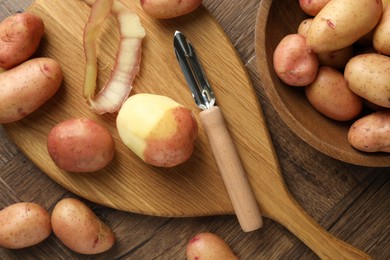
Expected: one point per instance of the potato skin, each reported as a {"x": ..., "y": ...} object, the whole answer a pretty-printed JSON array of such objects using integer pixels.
[
  {"x": 312, "y": 7},
  {"x": 381, "y": 36},
  {"x": 329, "y": 94},
  {"x": 80, "y": 145},
  {"x": 166, "y": 9},
  {"x": 341, "y": 23},
  {"x": 208, "y": 246},
  {"x": 23, "y": 224},
  {"x": 293, "y": 64},
  {"x": 336, "y": 59},
  {"x": 304, "y": 26},
  {"x": 25, "y": 88},
  {"x": 78, "y": 228},
  {"x": 371, "y": 133},
  {"x": 20, "y": 35},
  {"x": 368, "y": 76}
]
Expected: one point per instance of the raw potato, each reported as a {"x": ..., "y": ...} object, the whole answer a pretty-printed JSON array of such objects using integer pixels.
[
  {"x": 157, "y": 129},
  {"x": 341, "y": 23},
  {"x": 78, "y": 228},
  {"x": 20, "y": 35},
  {"x": 25, "y": 88},
  {"x": 312, "y": 7},
  {"x": 166, "y": 9},
  {"x": 80, "y": 145},
  {"x": 336, "y": 59},
  {"x": 208, "y": 246},
  {"x": 304, "y": 26},
  {"x": 329, "y": 94},
  {"x": 371, "y": 133},
  {"x": 381, "y": 37},
  {"x": 293, "y": 64},
  {"x": 23, "y": 224},
  {"x": 368, "y": 75}
]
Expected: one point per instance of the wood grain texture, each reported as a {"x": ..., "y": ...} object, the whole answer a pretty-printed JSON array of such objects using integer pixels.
[{"x": 348, "y": 200}]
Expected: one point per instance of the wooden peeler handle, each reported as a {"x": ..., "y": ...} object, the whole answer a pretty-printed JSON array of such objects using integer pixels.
[{"x": 231, "y": 170}]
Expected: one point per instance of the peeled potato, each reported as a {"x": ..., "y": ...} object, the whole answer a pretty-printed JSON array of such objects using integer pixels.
[{"x": 157, "y": 129}]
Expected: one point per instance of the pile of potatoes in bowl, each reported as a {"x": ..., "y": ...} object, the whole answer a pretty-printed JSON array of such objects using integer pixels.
[{"x": 340, "y": 55}]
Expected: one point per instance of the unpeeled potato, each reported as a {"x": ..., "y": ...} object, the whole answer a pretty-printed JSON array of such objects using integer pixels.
[
  {"x": 381, "y": 36},
  {"x": 20, "y": 35},
  {"x": 371, "y": 133},
  {"x": 368, "y": 76},
  {"x": 77, "y": 226},
  {"x": 341, "y": 23},
  {"x": 24, "y": 88},
  {"x": 23, "y": 224},
  {"x": 80, "y": 145},
  {"x": 208, "y": 246},
  {"x": 329, "y": 94},
  {"x": 166, "y": 9}
]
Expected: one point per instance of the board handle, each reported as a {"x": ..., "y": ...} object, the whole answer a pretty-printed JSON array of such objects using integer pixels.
[
  {"x": 231, "y": 169},
  {"x": 292, "y": 216}
]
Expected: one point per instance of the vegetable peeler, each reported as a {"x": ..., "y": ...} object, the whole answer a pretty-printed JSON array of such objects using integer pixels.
[{"x": 222, "y": 145}]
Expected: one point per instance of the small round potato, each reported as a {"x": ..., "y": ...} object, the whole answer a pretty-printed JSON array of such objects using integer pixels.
[
  {"x": 23, "y": 224},
  {"x": 77, "y": 226},
  {"x": 371, "y": 133},
  {"x": 80, "y": 145},
  {"x": 209, "y": 246},
  {"x": 293, "y": 64},
  {"x": 166, "y": 9},
  {"x": 329, "y": 94}
]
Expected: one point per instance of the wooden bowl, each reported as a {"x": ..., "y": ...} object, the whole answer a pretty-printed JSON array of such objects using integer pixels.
[{"x": 275, "y": 20}]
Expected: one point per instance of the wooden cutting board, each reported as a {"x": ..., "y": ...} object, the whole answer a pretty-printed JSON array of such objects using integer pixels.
[{"x": 194, "y": 188}]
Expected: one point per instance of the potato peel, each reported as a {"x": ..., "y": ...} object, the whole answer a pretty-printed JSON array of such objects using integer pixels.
[{"x": 127, "y": 63}]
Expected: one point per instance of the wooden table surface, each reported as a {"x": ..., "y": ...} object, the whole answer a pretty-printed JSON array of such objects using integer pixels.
[{"x": 350, "y": 201}]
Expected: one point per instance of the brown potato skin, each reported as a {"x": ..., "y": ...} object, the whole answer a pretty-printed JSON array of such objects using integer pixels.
[
  {"x": 329, "y": 94},
  {"x": 293, "y": 64},
  {"x": 208, "y": 246},
  {"x": 368, "y": 75},
  {"x": 23, "y": 224},
  {"x": 371, "y": 133},
  {"x": 167, "y": 9},
  {"x": 26, "y": 87},
  {"x": 381, "y": 35},
  {"x": 78, "y": 228},
  {"x": 20, "y": 35},
  {"x": 312, "y": 7},
  {"x": 80, "y": 145}
]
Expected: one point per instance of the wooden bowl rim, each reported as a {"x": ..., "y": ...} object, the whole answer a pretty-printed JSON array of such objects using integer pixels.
[{"x": 351, "y": 156}]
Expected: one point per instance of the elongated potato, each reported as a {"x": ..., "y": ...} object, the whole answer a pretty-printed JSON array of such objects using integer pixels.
[
  {"x": 329, "y": 94},
  {"x": 368, "y": 75},
  {"x": 23, "y": 224},
  {"x": 26, "y": 87},
  {"x": 20, "y": 35},
  {"x": 342, "y": 22},
  {"x": 77, "y": 226},
  {"x": 371, "y": 133},
  {"x": 381, "y": 36},
  {"x": 166, "y": 9}
]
